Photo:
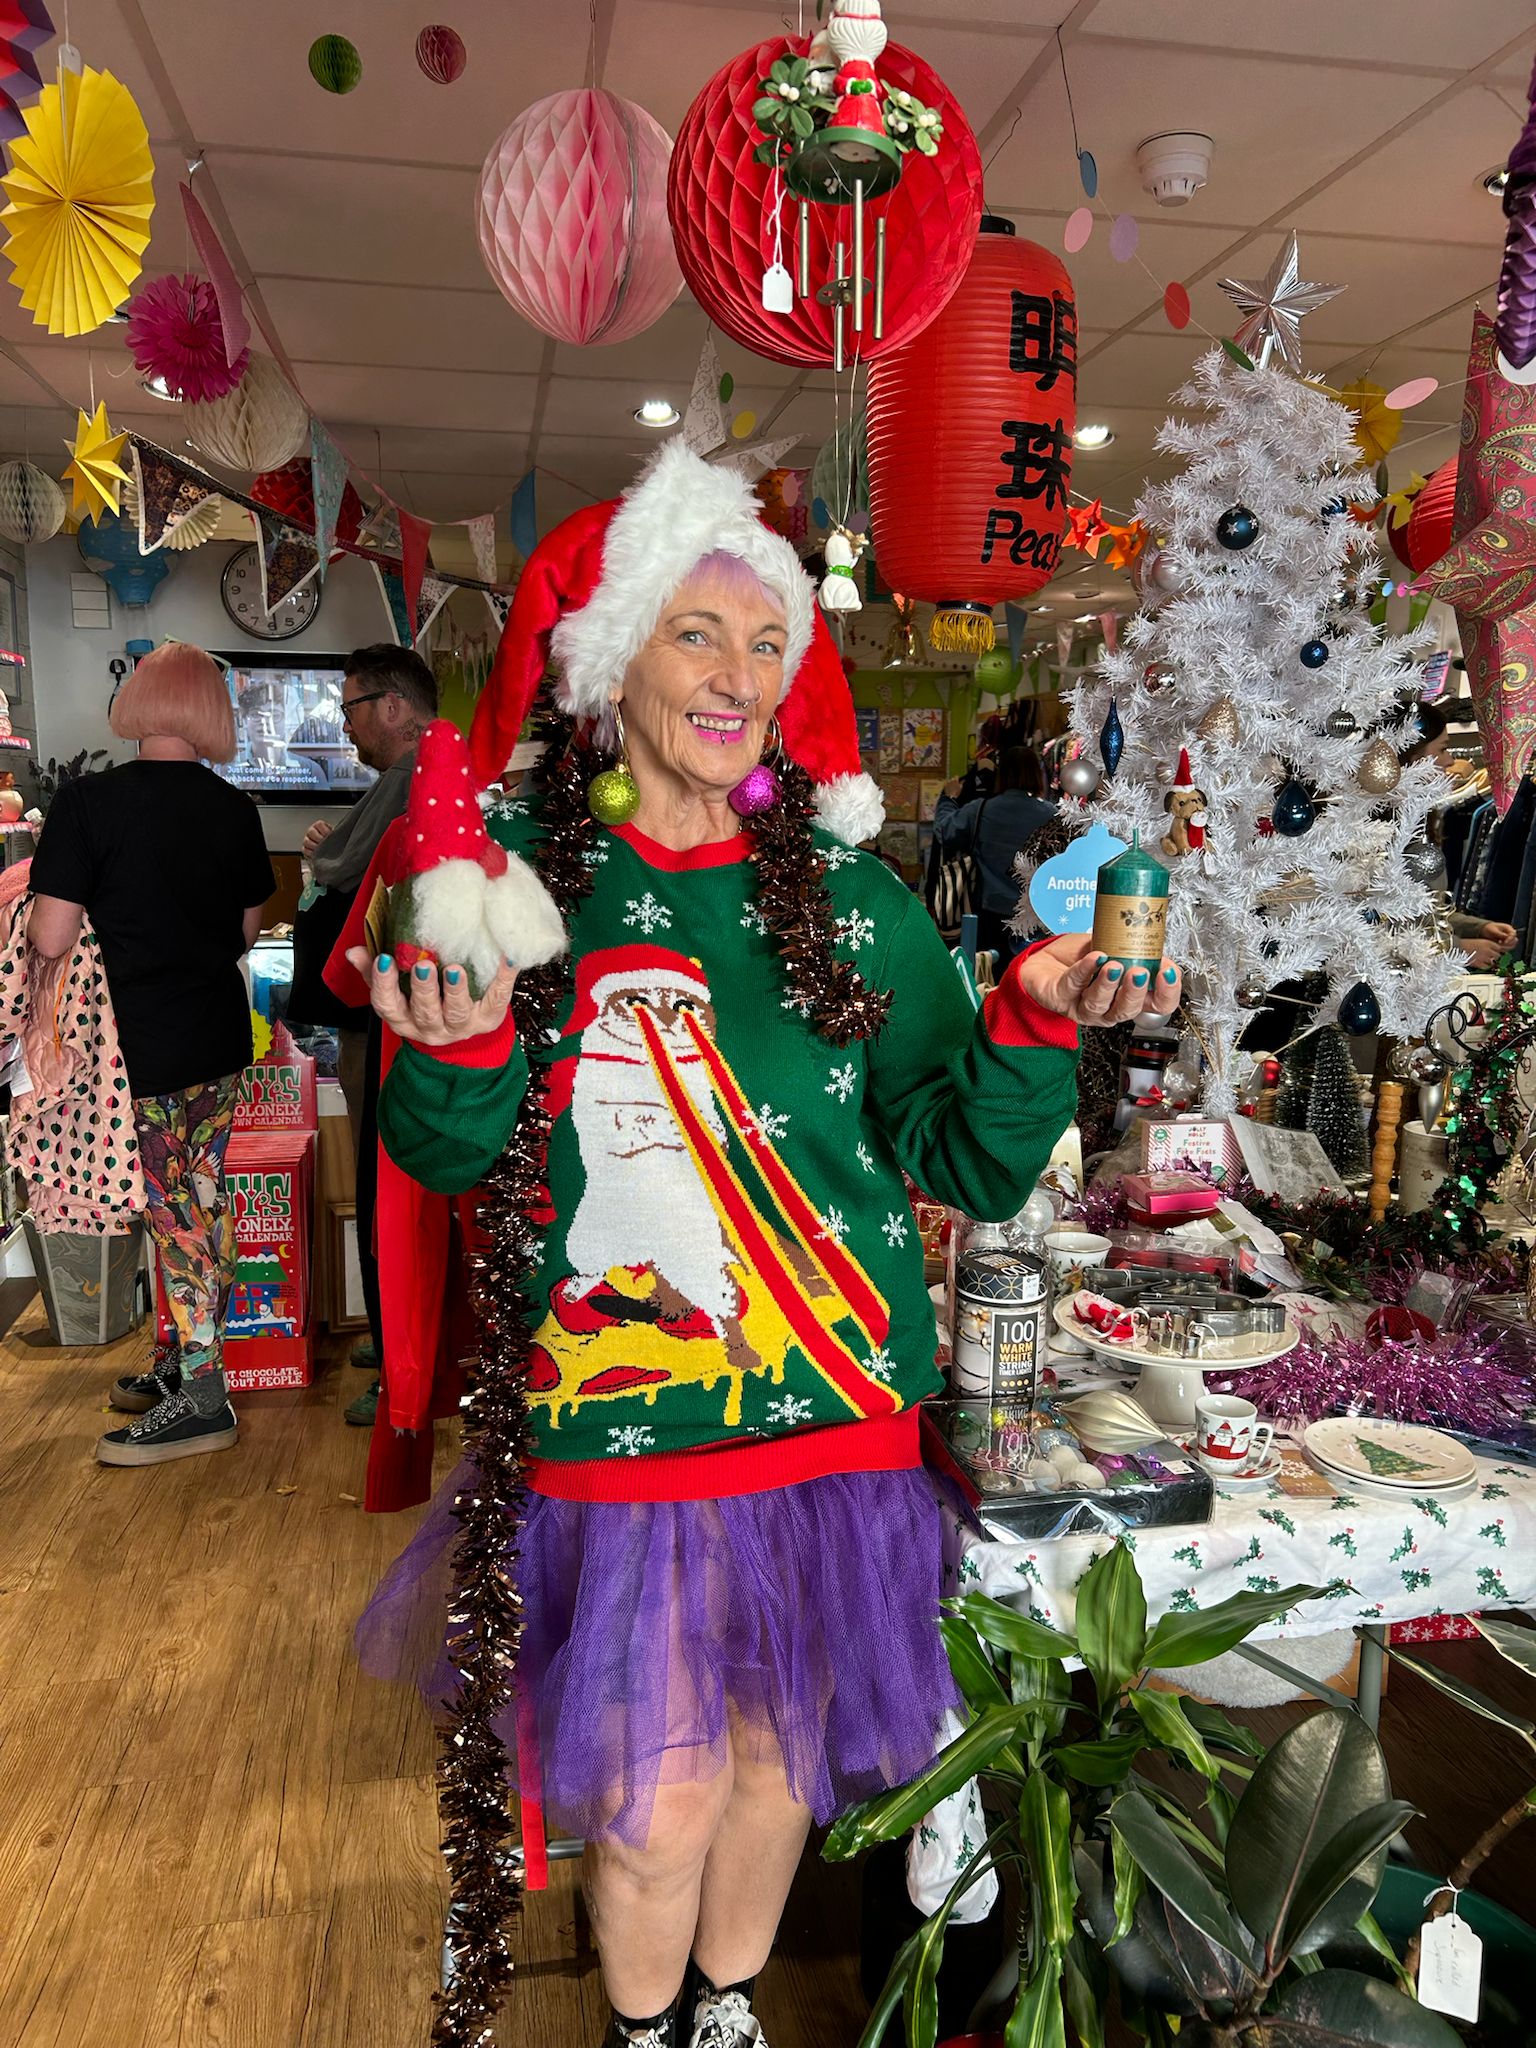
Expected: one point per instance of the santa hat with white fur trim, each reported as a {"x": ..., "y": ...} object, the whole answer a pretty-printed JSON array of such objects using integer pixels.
[
  {"x": 593, "y": 590},
  {"x": 464, "y": 900}
]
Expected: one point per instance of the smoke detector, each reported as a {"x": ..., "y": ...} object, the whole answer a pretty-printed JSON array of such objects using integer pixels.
[{"x": 1173, "y": 167}]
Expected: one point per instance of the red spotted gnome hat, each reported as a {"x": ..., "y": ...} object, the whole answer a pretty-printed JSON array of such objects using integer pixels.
[
  {"x": 464, "y": 900},
  {"x": 593, "y": 590}
]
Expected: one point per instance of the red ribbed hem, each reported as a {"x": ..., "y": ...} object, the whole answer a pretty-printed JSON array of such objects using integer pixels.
[
  {"x": 1015, "y": 1018},
  {"x": 888, "y": 1444},
  {"x": 716, "y": 853},
  {"x": 490, "y": 1049}
]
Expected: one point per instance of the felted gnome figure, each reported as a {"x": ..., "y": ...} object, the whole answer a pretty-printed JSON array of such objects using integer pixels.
[{"x": 464, "y": 901}]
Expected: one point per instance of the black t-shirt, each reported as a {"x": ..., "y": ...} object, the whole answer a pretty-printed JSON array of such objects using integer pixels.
[{"x": 166, "y": 858}]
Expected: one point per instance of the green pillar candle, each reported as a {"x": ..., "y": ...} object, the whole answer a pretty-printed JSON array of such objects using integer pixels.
[{"x": 1130, "y": 912}]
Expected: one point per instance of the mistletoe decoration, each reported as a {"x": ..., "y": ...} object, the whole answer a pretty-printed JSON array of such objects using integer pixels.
[{"x": 794, "y": 101}]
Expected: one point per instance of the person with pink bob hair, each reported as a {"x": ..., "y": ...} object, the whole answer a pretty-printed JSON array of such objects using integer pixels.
[{"x": 168, "y": 862}]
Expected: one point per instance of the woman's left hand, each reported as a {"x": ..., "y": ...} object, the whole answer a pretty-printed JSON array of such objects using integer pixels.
[{"x": 1074, "y": 979}]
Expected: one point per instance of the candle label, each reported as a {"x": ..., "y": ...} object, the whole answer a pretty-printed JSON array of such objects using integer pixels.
[{"x": 1130, "y": 928}]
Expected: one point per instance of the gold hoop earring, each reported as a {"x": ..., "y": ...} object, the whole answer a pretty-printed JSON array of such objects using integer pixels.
[{"x": 613, "y": 797}]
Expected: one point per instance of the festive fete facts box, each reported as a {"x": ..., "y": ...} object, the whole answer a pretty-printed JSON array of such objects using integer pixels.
[{"x": 1205, "y": 1143}]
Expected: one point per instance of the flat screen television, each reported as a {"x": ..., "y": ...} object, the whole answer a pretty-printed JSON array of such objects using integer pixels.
[{"x": 291, "y": 744}]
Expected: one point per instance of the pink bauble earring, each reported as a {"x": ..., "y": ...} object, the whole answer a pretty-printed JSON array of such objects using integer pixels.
[{"x": 758, "y": 789}]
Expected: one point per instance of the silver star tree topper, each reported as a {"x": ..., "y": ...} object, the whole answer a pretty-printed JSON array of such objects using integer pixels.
[{"x": 1272, "y": 307}]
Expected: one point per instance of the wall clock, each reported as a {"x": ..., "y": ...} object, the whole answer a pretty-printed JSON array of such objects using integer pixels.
[{"x": 240, "y": 589}]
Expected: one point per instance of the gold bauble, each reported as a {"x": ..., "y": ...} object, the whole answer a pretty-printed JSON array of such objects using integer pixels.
[
  {"x": 1220, "y": 724},
  {"x": 1379, "y": 770},
  {"x": 613, "y": 797}
]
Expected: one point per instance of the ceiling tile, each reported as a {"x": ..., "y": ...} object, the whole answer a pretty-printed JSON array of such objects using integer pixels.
[
  {"x": 355, "y": 222},
  {"x": 1390, "y": 194},
  {"x": 400, "y": 327},
  {"x": 1410, "y": 32},
  {"x": 398, "y": 398}
]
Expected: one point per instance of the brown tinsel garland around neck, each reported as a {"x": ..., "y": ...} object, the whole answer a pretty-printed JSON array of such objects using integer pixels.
[{"x": 485, "y": 1621}]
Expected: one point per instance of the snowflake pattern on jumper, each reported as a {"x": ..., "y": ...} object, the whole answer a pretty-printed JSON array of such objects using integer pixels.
[
  {"x": 865, "y": 1157},
  {"x": 597, "y": 854},
  {"x": 632, "y": 1441},
  {"x": 800, "y": 1004},
  {"x": 834, "y": 1225},
  {"x": 880, "y": 1365},
  {"x": 855, "y": 930},
  {"x": 842, "y": 1082},
  {"x": 753, "y": 920},
  {"x": 895, "y": 1228},
  {"x": 647, "y": 913},
  {"x": 790, "y": 1411},
  {"x": 770, "y": 1123},
  {"x": 835, "y": 857}
]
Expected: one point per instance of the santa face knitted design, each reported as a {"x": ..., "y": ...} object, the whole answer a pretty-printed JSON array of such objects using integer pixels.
[{"x": 731, "y": 1255}]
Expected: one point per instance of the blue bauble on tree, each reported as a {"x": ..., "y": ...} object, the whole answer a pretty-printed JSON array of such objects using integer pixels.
[
  {"x": 1237, "y": 527},
  {"x": 1111, "y": 739},
  {"x": 1359, "y": 1011},
  {"x": 1293, "y": 811},
  {"x": 1313, "y": 654}
]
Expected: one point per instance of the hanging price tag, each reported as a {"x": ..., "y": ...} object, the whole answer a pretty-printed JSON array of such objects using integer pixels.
[
  {"x": 778, "y": 290},
  {"x": 1450, "y": 1968}
]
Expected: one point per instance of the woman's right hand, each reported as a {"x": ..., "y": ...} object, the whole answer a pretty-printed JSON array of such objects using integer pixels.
[{"x": 440, "y": 1009}]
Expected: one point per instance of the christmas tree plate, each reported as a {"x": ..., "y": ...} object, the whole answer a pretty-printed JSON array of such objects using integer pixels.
[
  {"x": 1401, "y": 1455},
  {"x": 1374, "y": 1489}
]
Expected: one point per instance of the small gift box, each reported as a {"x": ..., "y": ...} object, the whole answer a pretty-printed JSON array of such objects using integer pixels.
[{"x": 1164, "y": 1198}]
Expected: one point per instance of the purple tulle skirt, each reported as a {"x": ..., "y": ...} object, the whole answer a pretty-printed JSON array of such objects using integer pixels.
[{"x": 802, "y": 1621}]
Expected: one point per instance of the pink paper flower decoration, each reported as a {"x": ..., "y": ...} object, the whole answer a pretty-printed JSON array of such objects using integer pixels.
[
  {"x": 573, "y": 218},
  {"x": 175, "y": 332},
  {"x": 440, "y": 53}
]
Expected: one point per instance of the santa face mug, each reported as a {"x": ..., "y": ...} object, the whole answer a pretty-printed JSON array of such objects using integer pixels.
[{"x": 1229, "y": 1437}]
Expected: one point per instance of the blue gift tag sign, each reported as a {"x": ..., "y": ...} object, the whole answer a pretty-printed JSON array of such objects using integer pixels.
[{"x": 1062, "y": 890}]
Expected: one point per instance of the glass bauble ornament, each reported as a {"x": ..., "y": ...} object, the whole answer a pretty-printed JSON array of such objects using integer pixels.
[
  {"x": 1421, "y": 861},
  {"x": 1340, "y": 724},
  {"x": 1250, "y": 992},
  {"x": 1111, "y": 739},
  {"x": 1237, "y": 528},
  {"x": 1313, "y": 653},
  {"x": 1079, "y": 778},
  {"x": 1379, "y": 770},
  {"x": 1037, "y": 1215},
  {"x": 614, "y": 796},
  {"x": 1157, "y": 675},
  {"x": 1425, "y": 1064},
  {"x": 1293, "y": 811},
  {"x": 1359, "y": 1011},
  {"x": 1220, "y": 723},
  {"x": 757, "y": 791},
  {"x": 1167, "y": 574}
]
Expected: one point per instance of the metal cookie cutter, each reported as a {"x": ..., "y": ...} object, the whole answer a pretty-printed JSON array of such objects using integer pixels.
[{"x": 1221, "y": 1326}]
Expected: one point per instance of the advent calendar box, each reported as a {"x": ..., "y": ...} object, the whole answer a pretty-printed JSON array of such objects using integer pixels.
[
  {"x": 278, "y": 1092},
  {"x": 1204, "y": 1143}
]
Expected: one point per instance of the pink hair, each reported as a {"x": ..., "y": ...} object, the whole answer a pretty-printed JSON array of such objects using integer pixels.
[
  {"x": 178, "y": 692},
  {"x": 738, "y": 576}
]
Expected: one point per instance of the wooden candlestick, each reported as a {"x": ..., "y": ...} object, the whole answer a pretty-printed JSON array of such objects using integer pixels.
[{"x": 1389, "y": 1111}]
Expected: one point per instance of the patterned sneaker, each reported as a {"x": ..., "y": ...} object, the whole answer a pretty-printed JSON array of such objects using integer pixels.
[
  {"x": 173, "y": 1429},
  {"x": 359, "y": 1414},
  {"x": 724, "y": 2019},
  {"x": 136, "y": 1393}
]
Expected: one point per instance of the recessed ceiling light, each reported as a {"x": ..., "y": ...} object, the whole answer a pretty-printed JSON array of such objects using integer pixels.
[
  {"x": 1495, "y": 180},
  {"x": 1094, "y": 435},
  {"x": 657, "y": 412},
  {"x": 157, "y": 387}
]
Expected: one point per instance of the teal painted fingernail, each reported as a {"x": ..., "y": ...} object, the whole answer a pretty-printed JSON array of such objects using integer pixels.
[
  {"x": 1170, "y": 974},
  {"x": 454, "y": 975},
  {"x": 423, "y": 971},
  {"x": 1100, "y": 962},
  {"x": 1139, "y": 978},
  {"x": 1114, "y": 973},
  {"x": 384, "y": 963}
]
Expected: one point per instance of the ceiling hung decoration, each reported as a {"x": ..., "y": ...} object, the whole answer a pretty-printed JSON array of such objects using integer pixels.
[
  {"x": 573, "y": 218},
  {"x": 25, "y": 25},
  {"x": 80, "y": 196},
  {"x": 176, "y": 334},
  {"x": 809, "y": 248},
  {"x": 440, "y": 53},
  {"x": 187, "y": 529},
  {"x": 290, "y": 492},
  {"x": 259, "y": 425},
  {"x": 31, "y": 503},
  {"x": 992, "y": 382},
  {"x": 1423, "y": 537}
]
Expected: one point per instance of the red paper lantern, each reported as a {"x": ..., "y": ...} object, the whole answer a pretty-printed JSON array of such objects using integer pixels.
[
  {"x": 1426, "y": 534},
  {"x": 970, "y": 441},
  {"x": 290, "y": 492},
  {"x": 440, "y": 53},
  {"x": 722, "y": 201}
]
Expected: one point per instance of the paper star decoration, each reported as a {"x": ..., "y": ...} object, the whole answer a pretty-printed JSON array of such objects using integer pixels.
[
  {"x": 93, "y": 469},
  {"x": 1086, "y": 527},
  {"x": 1400, "y": 503},
  {"x": 1272, "y": 307},
  {"x": 1125, "y": 543}
]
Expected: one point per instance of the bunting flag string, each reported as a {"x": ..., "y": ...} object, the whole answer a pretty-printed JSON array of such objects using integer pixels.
[
  {"x": 221, "y": 275},
  {"x": 166, "y": 495},
  {"x": 328, "y": 480},
  {"x": 415, "y": 543},
  {"x": 525, "y": 516},
  {"x": 289, "y": 560},
  {"x": 482, "y": 543}
]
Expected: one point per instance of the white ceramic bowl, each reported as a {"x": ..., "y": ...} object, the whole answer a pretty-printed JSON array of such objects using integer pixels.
[{"x": 1074, "y": 1251}]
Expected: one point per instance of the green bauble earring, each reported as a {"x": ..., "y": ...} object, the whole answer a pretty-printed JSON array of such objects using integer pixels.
[{"x": 613, "y": 797}]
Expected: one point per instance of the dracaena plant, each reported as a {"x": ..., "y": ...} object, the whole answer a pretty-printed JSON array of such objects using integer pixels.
[{"x": 1072, "y": 1812}]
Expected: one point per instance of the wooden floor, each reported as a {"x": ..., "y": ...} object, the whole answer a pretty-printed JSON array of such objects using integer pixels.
[{"x": 216, "y": 1833}]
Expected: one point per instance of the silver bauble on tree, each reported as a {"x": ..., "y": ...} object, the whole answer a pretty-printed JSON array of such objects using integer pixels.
[
  {"x": 1421, "y": 861},
  {"x": 1250, "y": 992},
  {"x": 1079, "y": 778},
  {"x": 1340, "y": 724}
]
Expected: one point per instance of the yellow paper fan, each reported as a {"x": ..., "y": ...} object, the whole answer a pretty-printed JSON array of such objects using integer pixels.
[
  {"x": 81, "y": 192},
  {"x": 94, "y": 470}
]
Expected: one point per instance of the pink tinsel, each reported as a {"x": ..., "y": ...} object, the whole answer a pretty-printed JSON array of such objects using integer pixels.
[
  {"x": 1478, "y": 1379},
  {"x": 175, "y": 332}
]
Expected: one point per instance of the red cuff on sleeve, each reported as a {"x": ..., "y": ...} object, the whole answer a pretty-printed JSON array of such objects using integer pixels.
[
  {"x": 490, "y": 1049},
  {"x": 1013, "y": 1017}
]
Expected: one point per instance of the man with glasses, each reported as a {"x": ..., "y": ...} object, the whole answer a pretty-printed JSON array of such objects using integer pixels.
[{"x": 388, "y": 699}]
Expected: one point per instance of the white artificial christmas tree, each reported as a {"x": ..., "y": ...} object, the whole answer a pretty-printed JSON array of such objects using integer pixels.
[{"x": 1259, "y": 658}]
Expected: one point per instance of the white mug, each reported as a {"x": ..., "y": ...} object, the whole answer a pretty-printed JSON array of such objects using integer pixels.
[{"x": 1228, "y": 1434}]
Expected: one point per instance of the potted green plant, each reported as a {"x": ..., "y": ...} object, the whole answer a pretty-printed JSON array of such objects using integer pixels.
[{"x": 1098, "y": 1847}]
